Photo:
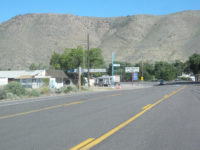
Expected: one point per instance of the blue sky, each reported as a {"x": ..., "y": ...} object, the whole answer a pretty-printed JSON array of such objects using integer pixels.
[{"x": 98, "y": 8}]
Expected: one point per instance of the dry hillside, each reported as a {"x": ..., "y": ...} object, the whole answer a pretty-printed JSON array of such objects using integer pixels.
[{"x": 32, "y": 38}]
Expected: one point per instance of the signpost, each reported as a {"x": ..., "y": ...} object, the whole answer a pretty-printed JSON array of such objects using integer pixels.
[
  {"x": 90, "y": 70},
  {"x": 134, "y": 71},
  {"x": 135, "y": 76},
  {"x": 113, "y": 56}
]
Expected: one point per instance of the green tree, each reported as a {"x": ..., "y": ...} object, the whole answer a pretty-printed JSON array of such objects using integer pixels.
[
  {"x": 96, "y": 58},
  {"x": 180, "y": 67},
  {"x": 194, "y": 65},
  {"x": 55, "y": 61},
  {"x": 164, "y": 70},
  {"x": 72, "y": 58},
  {"x": 69, "y": 59},
  {"x": 148, "y": 71}
]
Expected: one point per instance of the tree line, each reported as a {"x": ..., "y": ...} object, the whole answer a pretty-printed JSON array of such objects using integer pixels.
[{"x": 72, "y": 58}]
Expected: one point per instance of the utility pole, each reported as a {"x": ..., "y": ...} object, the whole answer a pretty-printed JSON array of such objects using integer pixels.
[
  {"x": 88, "y": 48},
  {"x": 142, "y": 77},
  {"x": 79, "y": 78},
  {"x": 113, "y": 69},
  {"x": 84, "y": 67}
]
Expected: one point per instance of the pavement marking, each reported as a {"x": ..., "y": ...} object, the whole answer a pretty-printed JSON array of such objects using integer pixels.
[
  {"x": 146, "y": 106},
  {"x": 114, "y": 130},
  {"x": 41, "y": 109},
  {"x": 51, "y": 107},
  {"x": 77, "y": 147},
  {"x": 166, "y": 96},
  {"x": 73, "y": 103},
  {"x": 116, "y": 95}
]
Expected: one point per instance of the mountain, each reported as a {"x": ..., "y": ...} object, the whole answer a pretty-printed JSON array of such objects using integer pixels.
[{"x": 32, "y": 38}]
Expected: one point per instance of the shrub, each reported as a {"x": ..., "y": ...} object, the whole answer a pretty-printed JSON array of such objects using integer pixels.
[
  {"x": 15, "y": 88},
  {"x": 11, "y": 96},
  {"x": 84, "y": 89},
  {"x": 44, "y": 90},
  {"x": 46, "y": 81},
  {"x": 67, "y": 89},
  {"x": 58, "y": 91},
  {"x": 2, "y": 94},
  {"x": 34, "y": 93},
  {"x": 74, "y": 88}
]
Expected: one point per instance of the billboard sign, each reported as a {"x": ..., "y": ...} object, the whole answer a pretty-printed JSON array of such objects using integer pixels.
[{"x": 132, "y": 69}]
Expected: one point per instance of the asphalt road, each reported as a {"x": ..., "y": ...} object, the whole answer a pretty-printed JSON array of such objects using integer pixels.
[{"x": 156, "y": 118}]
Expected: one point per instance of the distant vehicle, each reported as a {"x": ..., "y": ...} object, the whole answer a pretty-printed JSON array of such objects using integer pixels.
[
  {"x": 107, "y": 80},
  {"x": 161, "y": 82}
]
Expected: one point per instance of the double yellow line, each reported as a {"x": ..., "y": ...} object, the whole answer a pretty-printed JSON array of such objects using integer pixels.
[{"x": 91, "y": 142}]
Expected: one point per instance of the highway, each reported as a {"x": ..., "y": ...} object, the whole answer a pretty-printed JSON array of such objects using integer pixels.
[{"x": 155, "y": 118}]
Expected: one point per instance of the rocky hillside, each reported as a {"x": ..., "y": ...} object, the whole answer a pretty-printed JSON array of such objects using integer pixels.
[{"x": 32, "y": 38}]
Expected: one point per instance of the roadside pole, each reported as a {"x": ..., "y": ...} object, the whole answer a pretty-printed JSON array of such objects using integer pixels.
[
  {"x": 113, "y": 69},
  {"x": 132, "y": 78},
  {"x": 79, "y": 78},
  {"x": 142, "y": 77},
  {"x": 88, "y": 59}
]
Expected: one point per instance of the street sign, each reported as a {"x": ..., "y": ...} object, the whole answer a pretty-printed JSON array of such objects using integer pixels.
[
  {"x": 135, "y": 76},
  {"x": 132, "y": 69},
  {"x": 69, "y": 71},
  {"x": 116, "y": 65},
  {"x": 91, "y": 70}
]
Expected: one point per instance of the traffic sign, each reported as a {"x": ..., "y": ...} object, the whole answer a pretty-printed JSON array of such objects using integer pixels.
[
  {"x": 91, "y": 70},
  {"x": 135, "y": 76},
  {"x": 132, "y": 69},
  {"x": 70, "y": 71}
]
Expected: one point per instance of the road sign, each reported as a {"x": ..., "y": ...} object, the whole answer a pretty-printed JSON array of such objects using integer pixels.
[
  {"x": 135, "y": 76},
  {"x": 132, "y": 69},
  {"x": 116, "y": 65},
  {"x": 91, "y": 70},
  {"x": 69, "y": 71}
]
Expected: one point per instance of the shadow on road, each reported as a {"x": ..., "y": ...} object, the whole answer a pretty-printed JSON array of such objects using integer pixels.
[{"x": 180, "y": 83}]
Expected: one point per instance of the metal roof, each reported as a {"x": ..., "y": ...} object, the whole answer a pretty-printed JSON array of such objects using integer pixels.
[{"x": 17, "y": 74}]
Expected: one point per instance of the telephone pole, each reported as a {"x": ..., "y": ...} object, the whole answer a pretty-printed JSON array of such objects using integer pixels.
[
  {"x": 142, "y": 77},
  {"x": 88, "y": 60},
  {"x": 113, "y": 82}
]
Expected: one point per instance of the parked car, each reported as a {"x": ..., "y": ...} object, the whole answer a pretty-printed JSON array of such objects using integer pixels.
[{"x": 161, "y": 82}]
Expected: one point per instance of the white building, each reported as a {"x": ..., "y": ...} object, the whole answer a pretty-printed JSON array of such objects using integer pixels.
[{"x": 35, "y": 78}]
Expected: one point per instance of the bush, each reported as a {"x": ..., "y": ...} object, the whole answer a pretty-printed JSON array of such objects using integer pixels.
[
  {"x": 44, "y": 90},
  {"x": 46, "y": 81},
  {"x": 11, "y": 96},
  {"x": 2, "y": 94},
  {"x": 15, "y": 88},
  {"x": 74, "y": 88},
  {"x": 67, "y": 89},
  {"x": 33, "y": 93},
  {"x": 84, "y": 89},
  {"x": 58, "y": 91}
]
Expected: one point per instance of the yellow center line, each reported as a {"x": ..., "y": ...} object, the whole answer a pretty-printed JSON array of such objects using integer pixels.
[
  {"x": 77, "y": 147},
  {"x": 116, "y": 95},
  {"x": 146, "y": 106},
  {"x": 109, "y": 133},
  {"x": 73, "y": 103},
  {"x": 37, "y": 110}
]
